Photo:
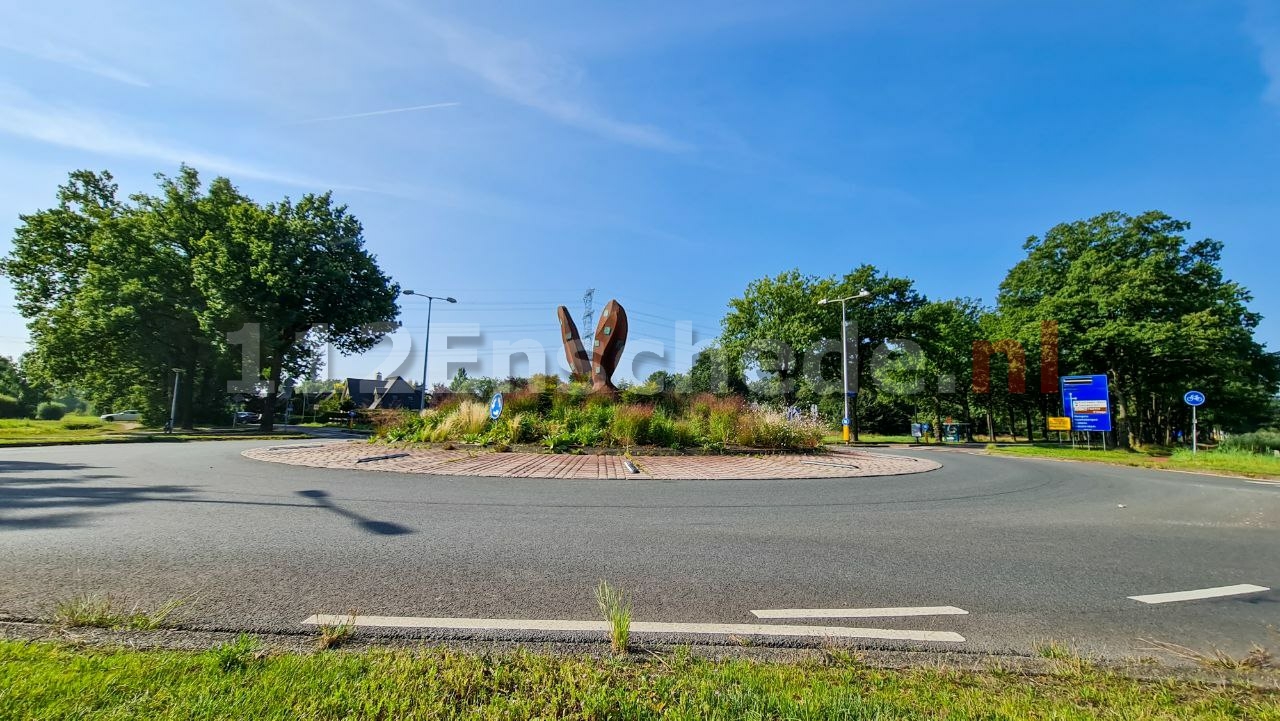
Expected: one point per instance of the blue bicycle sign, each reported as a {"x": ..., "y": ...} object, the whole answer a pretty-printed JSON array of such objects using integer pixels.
[{"x": 1193, "y": 398}]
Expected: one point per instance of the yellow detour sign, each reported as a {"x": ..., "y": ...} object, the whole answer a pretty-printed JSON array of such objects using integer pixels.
[{"x": 1059, "y": 423}]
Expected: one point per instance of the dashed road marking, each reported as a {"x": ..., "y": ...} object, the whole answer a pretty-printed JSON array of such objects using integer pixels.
[
  {"x": 1200, "y": 593},
  {"x": 724, "y": 629},
  {"x": 859, "y": 612}
]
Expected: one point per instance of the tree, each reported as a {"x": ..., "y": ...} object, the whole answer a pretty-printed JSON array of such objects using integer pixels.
[
  {"x": 1135, "y": 299},
  {"x": 106, "y": 286},
  {"x": 778, "y": 328},
  {"x": 300, "y": 273},
  {"x": 938, "y": 371}
]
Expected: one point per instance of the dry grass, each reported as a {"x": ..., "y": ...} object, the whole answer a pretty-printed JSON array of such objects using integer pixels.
[
  {"x": 106, "y": 611},
  {"x": 1257, "y": 658},
  {"x": 333, "y": 635}
]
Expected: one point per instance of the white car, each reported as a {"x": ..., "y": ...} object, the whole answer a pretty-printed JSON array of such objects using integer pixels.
[{"x": 121, "y": 416}]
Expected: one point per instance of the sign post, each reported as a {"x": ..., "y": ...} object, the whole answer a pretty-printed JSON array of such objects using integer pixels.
[
  {"x": 1087, "y": 402},
  {"x": 1195, "y": 399}
]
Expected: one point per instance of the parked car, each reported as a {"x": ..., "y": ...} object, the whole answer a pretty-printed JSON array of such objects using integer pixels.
[
  {"x": 121, "y": 416},
  {"x": 248, "y": 417}
]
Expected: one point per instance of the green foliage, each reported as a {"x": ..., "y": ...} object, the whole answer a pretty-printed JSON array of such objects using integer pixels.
[
  {"x": 1260, "y": 442},
  {"x": 576, "y": 418},
  {"x": 1137, "y": 300},
  {"x": 118, "y": 292},
  {"x": 50, "y": 411},
  {"x": 9, "y": 407},
  {"x": 299, "y": 270}
]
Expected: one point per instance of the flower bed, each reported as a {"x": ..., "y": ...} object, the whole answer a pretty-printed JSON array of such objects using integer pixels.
[{"x": 567, "y": 416}]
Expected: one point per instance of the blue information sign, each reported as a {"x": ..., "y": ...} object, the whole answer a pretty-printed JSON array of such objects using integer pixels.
[
  {"x": 1086, "y": 402},
  {"x": 495, "y": 406},
  {"x": 1193, "y": 398}
]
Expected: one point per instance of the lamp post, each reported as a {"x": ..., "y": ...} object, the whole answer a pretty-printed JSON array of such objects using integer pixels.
[
  {"x": 173, "y": 405},
  {"x": 844, "y": 350},
  {"x": 422, "y": 395}
]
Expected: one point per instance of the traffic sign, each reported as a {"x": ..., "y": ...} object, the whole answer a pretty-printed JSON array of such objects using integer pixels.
[
  {"x": 1193, "y": 398},
  {"x": 1086, "y": 402},
  {"x": 1059, "y": 423},
  {"x": 495, "y": 406}
]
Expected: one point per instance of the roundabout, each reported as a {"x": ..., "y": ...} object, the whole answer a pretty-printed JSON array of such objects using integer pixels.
[{"x": 349, "y": 455}]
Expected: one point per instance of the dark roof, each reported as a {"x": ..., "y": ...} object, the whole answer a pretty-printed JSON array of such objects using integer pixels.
[{"x": 393, "y": 392}]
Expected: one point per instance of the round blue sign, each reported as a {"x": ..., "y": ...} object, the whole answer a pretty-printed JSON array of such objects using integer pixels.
[
  {"x": 495, "y": 406},
  {"x": 1193, "y": 398}
]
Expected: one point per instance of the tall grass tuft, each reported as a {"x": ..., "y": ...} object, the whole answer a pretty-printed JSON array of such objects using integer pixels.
[
  {"x": 616, "y": 609},
  {"x": 471, "y": 417},
  {"x": 630, "y": 425}
]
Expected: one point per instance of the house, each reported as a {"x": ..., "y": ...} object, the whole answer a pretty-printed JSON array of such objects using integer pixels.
[{"x": 392, "y": 392}]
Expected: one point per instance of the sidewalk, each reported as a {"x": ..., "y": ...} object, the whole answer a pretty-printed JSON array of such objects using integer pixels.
[{"x": 366, "y": 457}]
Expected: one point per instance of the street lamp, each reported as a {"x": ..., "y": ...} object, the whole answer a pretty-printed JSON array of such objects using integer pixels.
[
  {"x": 422, "y": 396},
  {"x": 173, "y": 405},
  {"x": 844, "y": 349}
]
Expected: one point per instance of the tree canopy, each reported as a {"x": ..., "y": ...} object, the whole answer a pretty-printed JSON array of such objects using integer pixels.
[
  {"x": 1128, "y": 296},
  {"x": 120, "y": 294}
]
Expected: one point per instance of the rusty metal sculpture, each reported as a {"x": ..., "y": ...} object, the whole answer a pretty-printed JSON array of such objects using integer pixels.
[{"x": 611, "y": 338}]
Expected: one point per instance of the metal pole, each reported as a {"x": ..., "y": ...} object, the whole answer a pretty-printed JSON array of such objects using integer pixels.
[
  {"x": 1193, "y": 430},
  {"x": 426, "y": 344},
  {"x": 173, "y": 407},
  {"x": 844, "y": 357}
]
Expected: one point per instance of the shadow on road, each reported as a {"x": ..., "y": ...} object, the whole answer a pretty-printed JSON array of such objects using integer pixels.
[
  {"x": 382, "y": 528},
  {"x": 62, "y": 495}
]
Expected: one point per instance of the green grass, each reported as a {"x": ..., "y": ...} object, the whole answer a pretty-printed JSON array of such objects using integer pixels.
[
  {"x": 1238, "y": 463},
  {"x": 1223, "y": 461},
  {"x": 240, "y": 680},
  {"x": 73, "y": 430},
  {"x": 615, "y": 607}
]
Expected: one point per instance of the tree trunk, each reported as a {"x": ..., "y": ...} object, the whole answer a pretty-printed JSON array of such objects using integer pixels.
[
  {"x": 1126, "y": 436},
  {"x": 268, "y": 423}
]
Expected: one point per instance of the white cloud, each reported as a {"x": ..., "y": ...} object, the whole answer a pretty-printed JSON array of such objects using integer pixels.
[
  {"x": 1263, "y": 25},
  {"x": 524, "y": 74},
  {"x": 61, "y": 55},
  {"x": 25, "y": 117}
]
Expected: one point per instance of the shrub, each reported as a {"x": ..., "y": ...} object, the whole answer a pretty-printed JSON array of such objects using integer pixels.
[
  {"x": 9, "y": 407},
  {"x": 522, "y": 401},
  {"x": 383, "y": 419},
  {"x": 49, "y": 411},
  {"x": 1260, "y": 442},
  {"x": 662, "y": 429},
  {"x": 630, "y": 424}
]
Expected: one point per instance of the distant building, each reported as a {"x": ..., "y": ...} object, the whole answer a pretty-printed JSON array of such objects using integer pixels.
[{"x": 389, "y": 393}]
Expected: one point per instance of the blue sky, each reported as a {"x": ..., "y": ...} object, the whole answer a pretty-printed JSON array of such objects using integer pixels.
[{"x": 663, "y": 154}]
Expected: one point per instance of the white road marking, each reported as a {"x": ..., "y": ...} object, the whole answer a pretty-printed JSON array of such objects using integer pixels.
[
  {"x": 726, "y": 629},
  {"x": 859, "y": 612},
  {"x": 1201, "y": 593}
]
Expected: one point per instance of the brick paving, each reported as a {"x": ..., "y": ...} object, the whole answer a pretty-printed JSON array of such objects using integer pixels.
[{"x": 347, "y": 455}]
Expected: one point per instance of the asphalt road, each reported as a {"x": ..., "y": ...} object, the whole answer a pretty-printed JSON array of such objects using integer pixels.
[{"x": 1033, "y": 550}]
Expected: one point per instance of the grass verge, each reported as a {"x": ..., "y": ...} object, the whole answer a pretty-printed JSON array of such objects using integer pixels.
[
  {"x": 241, "y": 680},
  {"x": 1239, "y": 463}
]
